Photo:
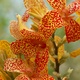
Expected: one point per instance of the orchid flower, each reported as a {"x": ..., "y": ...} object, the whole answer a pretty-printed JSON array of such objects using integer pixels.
[
  {"x": 61, "y": 16},
  {"x": 31, "y": 44}
]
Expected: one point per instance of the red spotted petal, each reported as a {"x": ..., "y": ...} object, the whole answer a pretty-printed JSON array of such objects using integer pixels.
[
  {"x": 22, "y": 77},
  {"x": 72, "y": 30},
  {"x": 14, "y": 30},
  {"x": 27, "y": 48},
  {"x": 43, "y": 75},
  {"x": 31, "y": 43},
  {"x": 57, "y": 4},
  {"x": 73, "y": 7},
  {"x": 49, "y": 23},
  {"x": 41, "y": 59},
  {"x": 16, "y": 65},
  {"x": 33, "y": 37},
  {"x": 25, "y": 16}
]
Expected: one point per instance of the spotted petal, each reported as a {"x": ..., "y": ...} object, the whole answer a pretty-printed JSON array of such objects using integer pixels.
[
  {"x": 72, "y": 30},
  {"x": 41, "y": 59},
  {"x": 16, "y": 26},
  {"x": 14, "y": 30},
  {"x": 34, "y": 37},
  {"x": 73, "y": 7},
  {"x": 25, "y": 16},
  {"x": 27, "y": 48},
  {"x": 43, "y": 75},
  {"x": 49, "y": 23},
  {"x": 16, "y": 65},
  {"x": 57, "y": 4},
  {"x": 22, "y": 77}
]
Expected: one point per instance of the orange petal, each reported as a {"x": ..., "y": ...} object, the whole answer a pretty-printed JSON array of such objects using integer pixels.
[
  {"x": 49, "y": 23},
  {"x": 22, "y": 77},
  {"x": 34, "y": 37},
  {"x": 57, "y": 4},
  {"x": 16, "y": 65},
  {"x": 51, "y": 78},
  {"x": 41, "y": 59},
  {"x": 43, "y": 75},
  {"x": 26, "y": 46},
  {"x": 14, "y": 30},
  {"x": 73, "y": 7},
  {"x": 72, "y": 30},
  {"x": 25, "y": 16},
  {"x": 75, "y": 53}
]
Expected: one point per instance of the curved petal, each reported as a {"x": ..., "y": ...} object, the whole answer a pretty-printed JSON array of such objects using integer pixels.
[
  {"x": 75, "y": 53},
  {"x": 28, "y": 33},
  {"x": 22, "y": 77},
  {"x": 16, "y": 26},
  {"x": 49, "y": 23},
  {"x": 14, "y": 30},
  {"x": 72, "y": 30},
  {"x": 28, "y": 48},
  {"x": 41, "y": 59},
  {"x": 57, "y": 4},
  {"x": 25, "y": 16},
  {"x": 16, "y": 65},
  {"x": 5, "y": 47},
  {"x": 73, "y": 7},
  {"x": 43, "y": 75},
  {"x": 34, "y": 37}
]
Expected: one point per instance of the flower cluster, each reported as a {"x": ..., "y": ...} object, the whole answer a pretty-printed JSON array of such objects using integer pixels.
[{"x": 34, "y": 46}]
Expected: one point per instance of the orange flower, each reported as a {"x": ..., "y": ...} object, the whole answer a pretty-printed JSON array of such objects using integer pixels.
[
  {"x": 60, "y": 16},
  {"x": 31, "y": 44}
]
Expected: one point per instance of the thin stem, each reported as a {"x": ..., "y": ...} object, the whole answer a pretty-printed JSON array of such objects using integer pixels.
[{"x": 56, "y": 59}]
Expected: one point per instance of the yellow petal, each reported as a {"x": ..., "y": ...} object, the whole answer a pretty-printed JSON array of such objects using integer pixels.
[
  {"x": 21, "y": 23},
  {"x": 60, "y": 49},
  {"x": 2, "y": 76},
  {"x": 78, "y": 20},
  {"x": 51, "y": 58},
  {"x": 75, "y": 53},
  {"x": 36, "y": 6},
  {"x": 5, "y": 47},
  {"x": 78, "y": 13}
]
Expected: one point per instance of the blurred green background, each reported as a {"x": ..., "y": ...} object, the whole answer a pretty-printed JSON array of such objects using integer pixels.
[{"x": 8, "y": 11}]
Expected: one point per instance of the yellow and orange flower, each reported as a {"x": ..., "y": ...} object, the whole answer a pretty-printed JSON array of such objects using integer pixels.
[
  {"x": 61, "y": 16},
  {"x": 31, "y": 44}
]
